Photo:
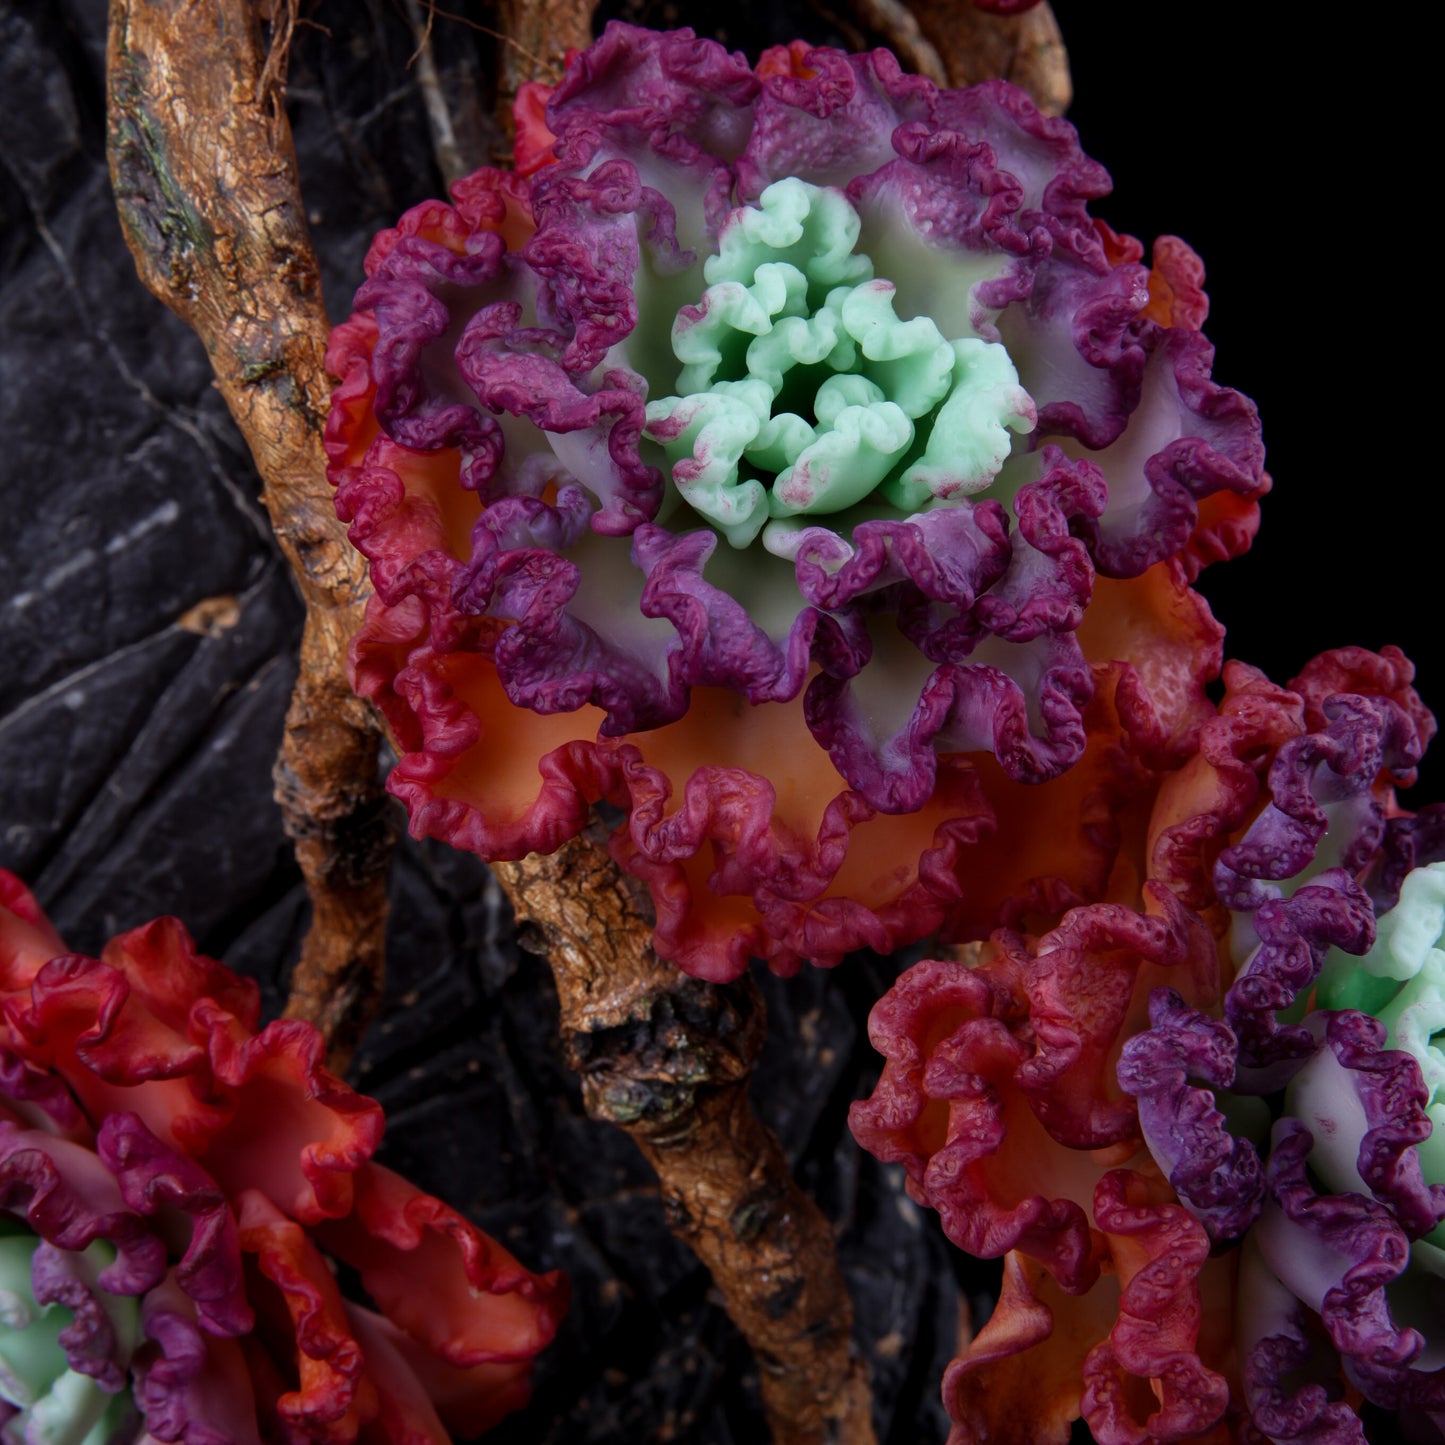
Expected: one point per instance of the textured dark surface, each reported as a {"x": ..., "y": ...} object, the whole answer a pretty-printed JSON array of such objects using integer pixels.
[{"x": 137, "y": 745}]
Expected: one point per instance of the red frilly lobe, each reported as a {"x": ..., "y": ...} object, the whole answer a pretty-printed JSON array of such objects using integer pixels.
[
  {"x": 997, "y": 1097},
  {"x": 542, "y": 640},
  {"x": 1021, "y": 1079},
  {"x": 232, "y": 1171}
]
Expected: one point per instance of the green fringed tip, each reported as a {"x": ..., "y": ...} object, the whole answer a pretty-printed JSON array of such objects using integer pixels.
[{"x": 803, "y": 394}]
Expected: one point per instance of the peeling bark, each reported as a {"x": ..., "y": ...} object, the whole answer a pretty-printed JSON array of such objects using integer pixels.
[
  {"x": 205, "y": 179},
  {"x": 667, "y": 1058}
]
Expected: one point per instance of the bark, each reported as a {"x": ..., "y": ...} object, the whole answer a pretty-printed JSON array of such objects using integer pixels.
[
  {"x": 536, "y": 38},
  {"x": 205, "y": 179},
  {"x": 894, "y": 23},
  {"x": 667, "y": 1058},
  {"x": 1026, "y": 49}
]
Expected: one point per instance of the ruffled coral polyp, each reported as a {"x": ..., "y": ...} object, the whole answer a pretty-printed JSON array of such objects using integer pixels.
[
  {"x": 1215, "y": 1187},
  {"x": 751, "y": 464},
  {"x": 179, "y": 1190}
]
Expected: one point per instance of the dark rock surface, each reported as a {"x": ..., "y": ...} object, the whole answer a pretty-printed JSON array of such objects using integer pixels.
[{"x": 147, "y": 648}]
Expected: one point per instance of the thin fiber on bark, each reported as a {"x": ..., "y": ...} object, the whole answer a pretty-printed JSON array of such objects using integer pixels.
[
  {"x": 667, "y": 1058},
  {"x": 205, "y": 179}
]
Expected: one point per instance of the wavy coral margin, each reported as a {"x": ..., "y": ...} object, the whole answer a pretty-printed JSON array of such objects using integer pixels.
[{"x": 205, "y": 181}]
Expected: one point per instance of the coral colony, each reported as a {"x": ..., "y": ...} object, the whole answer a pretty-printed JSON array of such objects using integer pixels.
[{"x": 787, "y": 458}]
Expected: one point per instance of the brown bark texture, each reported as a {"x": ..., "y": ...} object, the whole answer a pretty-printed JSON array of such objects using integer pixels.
[
  {"x": 536, "y": 36},
  {"x": 205, "y": 179},
  {"x": 893, "y": 22},
  {"x": 973, "y": 45},
  {"x": 667, "y": 1058}
]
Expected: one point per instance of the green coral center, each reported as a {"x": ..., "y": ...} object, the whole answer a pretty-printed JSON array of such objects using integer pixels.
[
  {"x": 803, "y": 393},
  {"x": 55, "y": 1404}
]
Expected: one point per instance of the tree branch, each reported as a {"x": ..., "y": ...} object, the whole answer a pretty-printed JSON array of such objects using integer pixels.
[
  {"x": 974, "y": 45},
  {"x": 205, "y": 180},
  {"x": 536, "y": 35},
  {"x": 667, "y": 1058}
]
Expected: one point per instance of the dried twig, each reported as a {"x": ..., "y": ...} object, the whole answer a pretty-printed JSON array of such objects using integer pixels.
[
  {"x": 452, "y": 135},
  {"x": 205, "y": 178},
  {"x": 667, "y": 1058}
]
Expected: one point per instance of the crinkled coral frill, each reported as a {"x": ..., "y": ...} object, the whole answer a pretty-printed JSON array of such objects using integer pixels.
[
  {"x": 555, "y": 626},
  {"x": 996, "y": 1096},
  {"x": 1292, "y": 878},
  {"x": 1332, "y": 1269},
  {"x": 1127, "y": 1354},
  {"x": 1337, "y": 1282},
  {"x": 1014, "y": 1082},
  {"x": 1338, "y": 1265},
  {"x": 231, "y": 1171}
]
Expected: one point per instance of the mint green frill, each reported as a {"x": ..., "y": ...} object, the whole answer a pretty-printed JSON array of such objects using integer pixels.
[{"x": 803, "y": 394}]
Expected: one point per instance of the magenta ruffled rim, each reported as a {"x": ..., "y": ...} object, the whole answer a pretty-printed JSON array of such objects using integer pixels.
[
  {"x": 1217, "y": 1175},
  {"x": 985, "y": 172},
  {"x": 1156, "y": 1337},
  {"x": 1323, "y": 782},
  {"x": 68, "y": 1198}
]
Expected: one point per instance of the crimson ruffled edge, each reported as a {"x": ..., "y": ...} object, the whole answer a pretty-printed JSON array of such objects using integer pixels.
[{"x": 182, "y": 1097}]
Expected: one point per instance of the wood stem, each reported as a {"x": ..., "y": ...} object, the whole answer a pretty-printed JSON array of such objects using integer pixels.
[
  {"x": 974, "y": 45},
  {"x": 537, "y": 36},
  {"x": 667, "y": 1058},
  {"x": 205, "y": 180}
]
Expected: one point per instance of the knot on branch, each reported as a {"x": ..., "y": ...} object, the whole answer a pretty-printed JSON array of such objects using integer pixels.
[{"x": 650, "y": 1073}]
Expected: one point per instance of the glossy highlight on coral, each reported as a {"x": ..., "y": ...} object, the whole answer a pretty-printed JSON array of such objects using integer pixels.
[
  {"x": 177, "y": 1192},
  {"x": 785, "y": 457}
]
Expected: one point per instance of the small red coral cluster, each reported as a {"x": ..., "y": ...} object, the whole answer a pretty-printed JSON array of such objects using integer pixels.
[{"x": 231, "y": 1175}]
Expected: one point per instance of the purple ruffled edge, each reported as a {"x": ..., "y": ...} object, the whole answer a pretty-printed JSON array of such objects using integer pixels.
[
  {"x": 1320, "y": 783},
  {"x": 191, "y": 1387},
  {"x": 1217, "y": 1175},
  {"x": 70, "y": 1200}
]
